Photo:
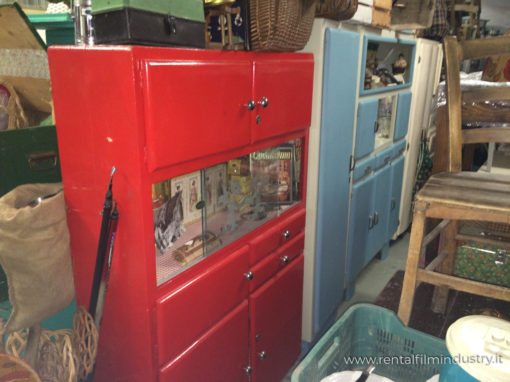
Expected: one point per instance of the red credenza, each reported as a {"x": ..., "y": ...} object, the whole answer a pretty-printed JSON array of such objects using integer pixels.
[{"x": 163, "y": 116}]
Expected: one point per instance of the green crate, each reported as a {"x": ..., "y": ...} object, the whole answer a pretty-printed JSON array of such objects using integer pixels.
[{"x": 366, "y": 330}]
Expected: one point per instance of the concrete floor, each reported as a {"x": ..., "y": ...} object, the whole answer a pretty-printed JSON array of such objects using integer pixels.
[{"x": 372, "y": 280}]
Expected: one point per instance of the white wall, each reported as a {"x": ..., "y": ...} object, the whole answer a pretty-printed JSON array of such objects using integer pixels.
[{"x": 497, "y": 12}]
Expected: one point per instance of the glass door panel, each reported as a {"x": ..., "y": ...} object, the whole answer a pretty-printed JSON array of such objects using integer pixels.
[{"x": 200, "y": 212}]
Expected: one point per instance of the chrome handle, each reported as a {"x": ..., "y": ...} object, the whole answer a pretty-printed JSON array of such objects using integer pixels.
[
  {"x": 286, "y": 234},
  {"x": 368, "y": 169},
  {"x": 251, "y": 105},
  {"x": 387, "y": 159},
  {"x": 376, "y": 218},
  {"x": 248, "y": 370},
  {"x": 370, "y": 222},
  {"x": 263, "y": 354},
  {"x": 264, "y": 102},
  {"x": 285, "y": 259},
  {"x": 249, "y": 275}
]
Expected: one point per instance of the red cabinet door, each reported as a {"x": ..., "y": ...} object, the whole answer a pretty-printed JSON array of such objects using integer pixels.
[
  {"x": 285, "y": 81},
  {"x": 275, "y": 331},
  {"x": 221, "y": 355},
  {"x": 195, "y": 107},
  {"x": 190, "y": 310}
]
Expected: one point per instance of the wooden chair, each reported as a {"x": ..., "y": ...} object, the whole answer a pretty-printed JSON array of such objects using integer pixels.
[{"x": 455, "y": 195}]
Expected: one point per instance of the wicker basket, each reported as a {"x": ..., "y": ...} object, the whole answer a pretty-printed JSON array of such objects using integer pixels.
[
  {"x": 280, "y": 25},
  {"x": 336, "y": 9}
]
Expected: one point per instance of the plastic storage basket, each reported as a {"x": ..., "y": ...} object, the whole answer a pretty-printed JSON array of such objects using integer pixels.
[{"x": 377, "y": 336}]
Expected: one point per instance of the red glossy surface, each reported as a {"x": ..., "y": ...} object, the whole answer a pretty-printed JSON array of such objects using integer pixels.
[
  {"x": 287, "y": 83},
  {"x": 105, "y": 115},
  {"x": 220, "y": 355},
  {"x": 275, "y": 313},
  {"x": 187, "y": 312},
  {"x": 294, "y": 225},
  {"x": 275, "y": 261},
  {"x": 195, "y": 108},
  {"x": 270, "y": 239}
]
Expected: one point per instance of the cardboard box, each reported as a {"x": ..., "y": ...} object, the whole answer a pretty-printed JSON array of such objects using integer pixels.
[{"x": 381, "y": 18}]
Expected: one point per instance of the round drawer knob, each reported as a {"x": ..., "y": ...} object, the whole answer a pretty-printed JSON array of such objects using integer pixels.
[
  {"x": 263, "y": 354},
  {"x": 251, "y": 105},
  {"x": 286, "y": 234},
  {"x": 285, "y": 259},
  {"x": 249, "y": 275},
  {"x": 264, "y": 102}
]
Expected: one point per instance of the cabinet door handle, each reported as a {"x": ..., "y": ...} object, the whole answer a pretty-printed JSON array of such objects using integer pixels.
[
  {"x": 286, "y": 234},
  {"x": 370, "y": 222},
  {"x": 263, "y": 354},
  {"x": 251, "y": 105},
  {"x": 387, "y": 160},
  {"x": 376, "y": 126},
  {"x": 285, "y": 259},
  {"x": 376, "y": 218},
  {"x": 264, "y": 102},
  {"x": 249, "y": 275},
  {"x": 368, "y": 169},
  {"x": 248, "y": 370}
]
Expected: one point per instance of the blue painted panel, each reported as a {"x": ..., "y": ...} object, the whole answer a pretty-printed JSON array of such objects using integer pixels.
[
  {"x": 397, "y": 173},
  {"x": 402, "y": 120},
  {"x": 383, "y": 157},
  {"x": 382, "y": 201},
  {"x": 398, "y": 148},
  {"x": 360, "y": 223},
  {"x": 363, "y": 168},
  {"x": 365, "y": 127},
  {"x": 337, "y": 124}
]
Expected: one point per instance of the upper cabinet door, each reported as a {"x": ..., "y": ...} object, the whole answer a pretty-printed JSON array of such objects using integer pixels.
[
  {"x": 402, "y": 120},
  {"x": 282, "y": 91},
  {"x": 366, "y": 127},
  {"x": 188, "y": 102}
]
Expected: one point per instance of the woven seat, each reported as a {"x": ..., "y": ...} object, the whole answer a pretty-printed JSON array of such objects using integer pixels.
[{"x": 453, "y": 195}]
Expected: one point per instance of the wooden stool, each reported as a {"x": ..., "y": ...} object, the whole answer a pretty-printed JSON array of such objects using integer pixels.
[
  {"x": 224, "y": 12},
  {"x": 456, "y": 195}
]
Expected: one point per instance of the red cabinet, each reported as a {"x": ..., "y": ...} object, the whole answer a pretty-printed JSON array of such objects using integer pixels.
[
  {"x": 170, "y": 118},
  {"x": 275, "y": 312}
]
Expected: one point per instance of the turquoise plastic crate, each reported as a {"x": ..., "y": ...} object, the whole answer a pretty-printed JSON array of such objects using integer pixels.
[{"x": 366, "y": 330}]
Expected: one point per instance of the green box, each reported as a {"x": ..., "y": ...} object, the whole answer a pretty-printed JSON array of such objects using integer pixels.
[
  {"x": 366, "y": 330},
  {"x": 184, "y": 9}
]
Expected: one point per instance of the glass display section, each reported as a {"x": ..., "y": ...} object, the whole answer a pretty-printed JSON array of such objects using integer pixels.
[
  {"x": 198, "y": 213},
  {"x": 387, "y": 64},
  {"x": 385, "y": 121}
]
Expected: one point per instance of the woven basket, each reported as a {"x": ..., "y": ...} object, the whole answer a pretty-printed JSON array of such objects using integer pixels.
[
  {"x": 280, "y": 25},
  {"x": 336, "y": 9}
]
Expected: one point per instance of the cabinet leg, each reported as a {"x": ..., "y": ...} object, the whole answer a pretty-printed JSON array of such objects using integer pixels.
[{"x": 383, "y": 255}]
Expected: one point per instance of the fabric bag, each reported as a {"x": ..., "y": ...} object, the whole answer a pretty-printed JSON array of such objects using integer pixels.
[{"x": 35, "y": 253}]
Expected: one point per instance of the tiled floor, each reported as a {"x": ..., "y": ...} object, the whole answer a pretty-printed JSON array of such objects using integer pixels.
[{"x": 374, "y": 277}]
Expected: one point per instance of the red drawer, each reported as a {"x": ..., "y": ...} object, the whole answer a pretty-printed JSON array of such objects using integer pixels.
[
  {"x": 276, "y": 261},
  {"x": 189, "y": 311},
  {"x": 292, "y": 226},
  {"x": 269, "y": 240},
  {"x": 220, "y": 355}
]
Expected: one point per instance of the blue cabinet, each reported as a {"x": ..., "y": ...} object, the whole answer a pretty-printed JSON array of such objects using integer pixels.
[
  {"x": 402, "y": 120},
  {"x": 350, "y": 165},
  {"x": 336, "y": 137},
  {"x": 366, "y": 127}
]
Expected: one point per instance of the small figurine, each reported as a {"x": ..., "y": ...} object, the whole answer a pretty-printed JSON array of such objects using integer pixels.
[{"x": 400, "y": 65}]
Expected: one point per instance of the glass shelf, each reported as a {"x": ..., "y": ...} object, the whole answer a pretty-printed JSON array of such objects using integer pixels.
[
  {"x": 198, "y": 213},
  {"x": 387, "y": 64}
]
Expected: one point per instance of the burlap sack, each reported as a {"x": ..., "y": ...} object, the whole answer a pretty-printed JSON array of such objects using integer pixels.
[{"x": 35, "y": 254}]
